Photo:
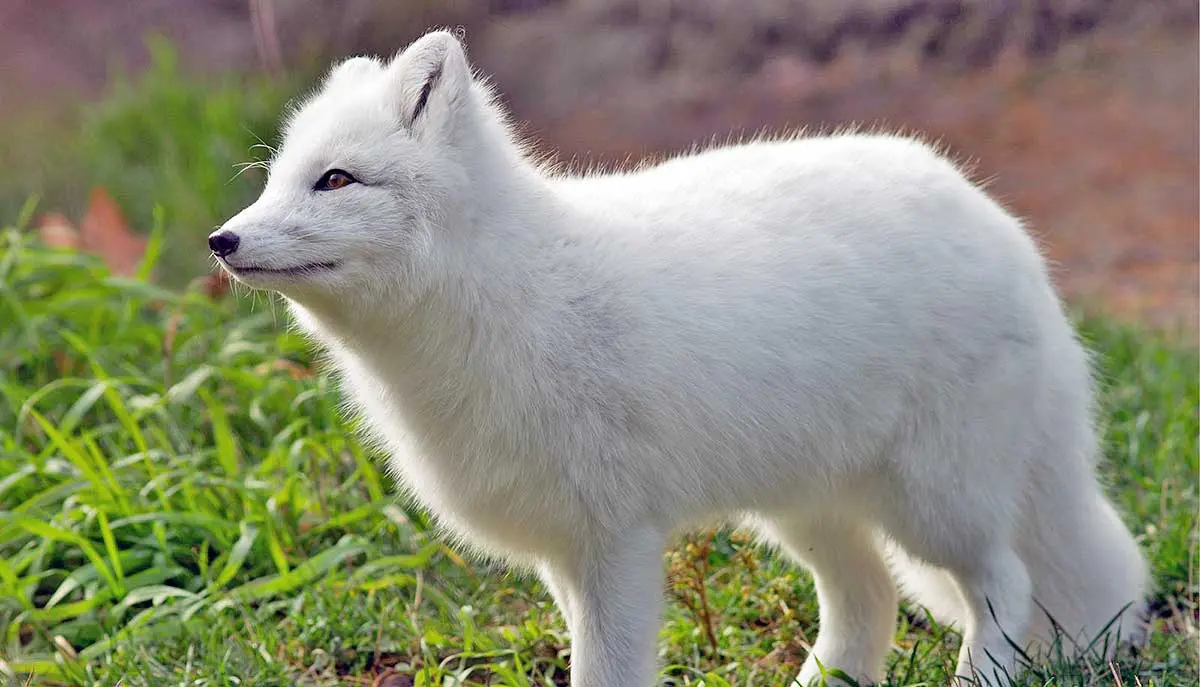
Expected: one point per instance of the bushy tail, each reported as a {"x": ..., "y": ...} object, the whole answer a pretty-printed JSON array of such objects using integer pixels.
[{"x": 1089, "y": 577}]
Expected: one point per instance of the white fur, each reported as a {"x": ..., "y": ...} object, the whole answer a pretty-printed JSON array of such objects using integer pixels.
[{"x": 840, "y": 341}]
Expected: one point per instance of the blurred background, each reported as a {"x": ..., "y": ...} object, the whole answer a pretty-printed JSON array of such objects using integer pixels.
[{"x": 1083, "y": 111}]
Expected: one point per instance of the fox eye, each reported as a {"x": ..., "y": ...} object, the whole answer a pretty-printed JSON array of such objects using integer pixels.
[{"x": 333, "y": 180}]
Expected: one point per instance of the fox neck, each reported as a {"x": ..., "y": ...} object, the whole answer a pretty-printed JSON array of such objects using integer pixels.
[{"x": 469, "y": 336}]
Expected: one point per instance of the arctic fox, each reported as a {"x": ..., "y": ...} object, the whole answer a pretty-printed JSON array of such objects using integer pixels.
[{"x": 838, "y": 341}]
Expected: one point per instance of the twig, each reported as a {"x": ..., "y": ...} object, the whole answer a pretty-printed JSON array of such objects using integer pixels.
[{"x": 266, "y": 35}]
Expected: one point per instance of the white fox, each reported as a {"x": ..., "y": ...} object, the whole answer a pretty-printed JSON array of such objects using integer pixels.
[{"x": 838, "y": 341}]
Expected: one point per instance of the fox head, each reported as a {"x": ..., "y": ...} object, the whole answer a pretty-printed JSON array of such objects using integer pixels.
[{"x": 376, "y": 168}]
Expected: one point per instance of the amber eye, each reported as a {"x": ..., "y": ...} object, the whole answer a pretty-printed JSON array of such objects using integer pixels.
[{"x": 333, "y": 180}]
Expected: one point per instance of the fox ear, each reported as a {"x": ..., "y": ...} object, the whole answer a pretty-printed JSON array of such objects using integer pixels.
[{"x": 430, "y": 81}]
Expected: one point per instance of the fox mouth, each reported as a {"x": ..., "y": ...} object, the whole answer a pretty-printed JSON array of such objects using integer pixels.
[{"x": 293, "y": 270}]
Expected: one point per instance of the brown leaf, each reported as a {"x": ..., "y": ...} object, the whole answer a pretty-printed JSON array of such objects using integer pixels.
[
  {"x": 295, "y": 370},
  {"x": 107, "y": 234},
  {"x": 391, "y": 678},
  {"x": 56, "y": 231},
  {"x": 216, "y": 284}
]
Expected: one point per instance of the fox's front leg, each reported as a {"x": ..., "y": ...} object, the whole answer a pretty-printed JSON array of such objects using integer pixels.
[{"x": 615, "y": 592}]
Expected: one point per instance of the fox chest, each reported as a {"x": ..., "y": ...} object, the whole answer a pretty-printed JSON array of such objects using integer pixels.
[{"x": 495, "y": 494}]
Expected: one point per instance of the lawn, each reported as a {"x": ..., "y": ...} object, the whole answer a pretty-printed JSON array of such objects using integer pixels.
[{"x": 182, "y": 501}]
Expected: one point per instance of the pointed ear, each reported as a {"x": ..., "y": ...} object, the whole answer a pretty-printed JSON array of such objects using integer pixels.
[{"x": 430, "y": 82}]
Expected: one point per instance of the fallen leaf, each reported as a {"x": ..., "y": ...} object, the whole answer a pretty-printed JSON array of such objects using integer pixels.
[
  {"x": 107, "y": 234},
  {"x": 56, "y": 231},
  {"x": 391, "y": 678},
  {"x": 295, "y": 370},
  {"x": 216, "y": 284}
]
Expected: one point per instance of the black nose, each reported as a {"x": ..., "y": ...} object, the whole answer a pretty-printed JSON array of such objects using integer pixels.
[{"x": 223, "y": 243}]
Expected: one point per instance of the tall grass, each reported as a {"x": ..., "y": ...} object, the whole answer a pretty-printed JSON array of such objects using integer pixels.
[{"x": 158, "y": 446}]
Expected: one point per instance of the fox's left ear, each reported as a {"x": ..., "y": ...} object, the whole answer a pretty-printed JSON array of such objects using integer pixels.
[{"x": 430, "y": 82}]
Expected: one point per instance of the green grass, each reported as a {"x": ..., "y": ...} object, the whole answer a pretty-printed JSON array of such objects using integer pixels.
[
  {"x": 177, "y": 507},
  {"x": 182, "y": 502}
]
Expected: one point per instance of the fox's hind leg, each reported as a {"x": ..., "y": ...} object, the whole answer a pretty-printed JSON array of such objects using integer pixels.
[
  {"x": 999, "y": 602},
  {"x": 929, "y": 587},
  {"x": 855, "y": 591}
]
